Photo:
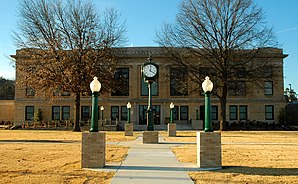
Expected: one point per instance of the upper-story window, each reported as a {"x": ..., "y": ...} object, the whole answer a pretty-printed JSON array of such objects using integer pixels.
[
  {"x": 178, "y": 83},
  {"x": 237, "y": 88},
  {"x": 30, "y": 91},
  {"x": 145, "y": 90},
  {"x": 268, "y": 88},
  {"x": 122, "y": 82}
]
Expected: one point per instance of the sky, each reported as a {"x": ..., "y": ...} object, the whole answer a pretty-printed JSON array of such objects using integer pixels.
[{"x": 144, "y": 17}]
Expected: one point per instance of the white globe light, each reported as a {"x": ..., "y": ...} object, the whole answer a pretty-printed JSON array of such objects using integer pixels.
[
  {"x": 172, "y": 105},
  {"x": 128, "y": 105},
  {"x": 95, "y": 85},
  {"x": 207, "y": 85}
]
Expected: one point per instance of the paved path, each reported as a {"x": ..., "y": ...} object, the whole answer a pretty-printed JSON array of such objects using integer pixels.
[{"x": 150, "y": 163}]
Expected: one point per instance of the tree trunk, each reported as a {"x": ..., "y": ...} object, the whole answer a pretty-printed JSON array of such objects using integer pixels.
[
  {"x": 223, "y": 107},
  {"x": 76, "y": 126}
]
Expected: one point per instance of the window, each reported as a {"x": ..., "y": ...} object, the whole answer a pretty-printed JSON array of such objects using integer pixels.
[
  {"x": 175, "y": 113},
  {"x": 55, "y": 113},
  {"x": 143, "y": 114},
  {"x": 145, "y": 91},
  {"x": 65, "y": 112},
  {"x": 268, "y": 88},
  {"x": 178, "y": 83},
  {"x": 114, "y": 112},
  {"x": 29, "y": 114},
  {"x": 269, "y": 112},
  {"x": 237, "y": 88},
  {"x": 214, "y": 112},
  {"x": 183, "y": 112},
  {"x": 30, "y": 91},
  {"x": 122, "y": 78},
  {"x": 243, "y": 112},
  {"x": 85, "y": 113},
  {"x": 123, "y": 113},
  {"x": 233, "y": 112}
]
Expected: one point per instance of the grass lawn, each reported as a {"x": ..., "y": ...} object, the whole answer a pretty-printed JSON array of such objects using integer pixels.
[
  {"x": 33, "y": 156},
  {"x": 247, "y": 157}
]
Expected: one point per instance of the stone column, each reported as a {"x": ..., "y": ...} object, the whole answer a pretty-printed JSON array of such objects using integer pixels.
[
  {"x": 128, "y": 129},
  {"x": 93, "y": 150},
  {"x": 172, "y": 129},
  {"x": 150, "y": 137},
  {"x": 209, "y": 150}
]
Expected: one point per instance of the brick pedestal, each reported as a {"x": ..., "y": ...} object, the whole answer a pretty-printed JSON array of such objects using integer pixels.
[
  {"x": 209, "y": 150},
  {"x": 128, "y": 129},
  {"x": 150, "y": 137},
  {"x": 93, "y": 150},
  {"x": 172, "y": 129}
]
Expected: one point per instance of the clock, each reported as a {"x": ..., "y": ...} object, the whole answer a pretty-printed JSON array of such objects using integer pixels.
[{"x": 150, "y": 70}]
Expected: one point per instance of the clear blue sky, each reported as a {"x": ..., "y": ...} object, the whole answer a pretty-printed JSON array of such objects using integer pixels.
[{"x": 144, "y": 17}]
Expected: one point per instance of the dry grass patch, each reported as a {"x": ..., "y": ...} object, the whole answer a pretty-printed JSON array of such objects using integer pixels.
[
  {"x": 50, "y": 161},
  {"x": 250, "y": 157}
]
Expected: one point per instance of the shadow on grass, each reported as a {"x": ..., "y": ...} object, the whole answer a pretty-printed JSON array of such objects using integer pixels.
[
  {"x": 39, "y": 141},
  {"x": 259, "y": 171}
]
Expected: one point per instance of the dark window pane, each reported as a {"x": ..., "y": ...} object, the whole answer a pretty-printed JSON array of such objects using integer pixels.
[
  {"x": 233, "y": 112},
  {"x": 123, "y": 113},
  {"x": 269, "y": 112},
  {"x": 29, "y": 114},
  {"x": 85, "y": 113},
  {"x": 55, "y": 113},
  {"x": 268, "y": 88},
  {"x": 243, "y": 112},
  {"x": 178, "y": 82},
  {"x": 183, "y": 112},
  {"x": 65, "y": 112},
  {"x": 145, "y": 91},
  {"x": 122, "y": 81},
  {"x": 114, "y": 112}
]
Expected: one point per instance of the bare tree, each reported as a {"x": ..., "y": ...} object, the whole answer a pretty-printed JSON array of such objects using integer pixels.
[
  {"x": 222, "y": 35},
  {"x": 66, "y": 45}
]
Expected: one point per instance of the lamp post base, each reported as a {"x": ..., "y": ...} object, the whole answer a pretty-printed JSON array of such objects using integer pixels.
[
  {"x": 150, "y": 137},
  {"x": 172, "y": 129},
  {"x": 128, "y": 129},
  {"x": 209, "y": 150}
]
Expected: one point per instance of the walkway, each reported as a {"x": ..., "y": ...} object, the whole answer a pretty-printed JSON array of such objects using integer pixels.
[{"x": 150, "y": 163}]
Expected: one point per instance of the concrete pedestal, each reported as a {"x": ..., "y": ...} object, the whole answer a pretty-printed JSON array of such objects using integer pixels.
[
  {"x": 128, "y": 129},
  {"x": 172, "y": 129},
  {"x": 93, "y": 150},
  {"x": 150, "y": 137},
  {"x": 209, "y": 150}
]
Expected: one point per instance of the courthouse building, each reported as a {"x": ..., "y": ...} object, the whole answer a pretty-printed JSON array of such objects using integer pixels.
[{"x": 251, "y": 103}]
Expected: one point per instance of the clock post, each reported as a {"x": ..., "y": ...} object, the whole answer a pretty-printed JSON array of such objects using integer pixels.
[{"x": 150, "y": 74}]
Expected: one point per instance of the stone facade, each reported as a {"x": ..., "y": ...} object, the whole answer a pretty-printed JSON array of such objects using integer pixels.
[
  {"x": 7, "y": 110},
  {"x": 255, "y": 101},
  {"x": 93, "y": 150}
]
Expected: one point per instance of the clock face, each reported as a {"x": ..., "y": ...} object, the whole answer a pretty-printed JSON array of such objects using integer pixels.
[{"x": 149, "y": 70}]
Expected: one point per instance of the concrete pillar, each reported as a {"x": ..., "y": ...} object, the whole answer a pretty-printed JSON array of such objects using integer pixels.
[
  {"x": 150, "y": 137},
  {"x": 209, "y": 150},
  {"x": 93, "y": 150},
  {"x": 128, "y": 129},
  {"x": 172, "y": 129}
]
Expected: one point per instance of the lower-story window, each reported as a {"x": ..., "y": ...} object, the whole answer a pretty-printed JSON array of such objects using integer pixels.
[
  {"x": 233, "y": 112},
  {"x": 269, "y": 112},
  {"x": 143, "y": 114},
  {"x": 243, "y": 112},
  {"x": 65, "y": 112},
  {"x": 183, "y": 112},
  {"x": 55, "y": 112},
  {"x": 85, "y": 113},
  {"x": 29, "y": 113},
  {"x": 114, "y": 113}
]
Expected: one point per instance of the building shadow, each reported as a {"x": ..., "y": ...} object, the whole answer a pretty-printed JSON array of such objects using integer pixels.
[{"x": 260, "y": 171}]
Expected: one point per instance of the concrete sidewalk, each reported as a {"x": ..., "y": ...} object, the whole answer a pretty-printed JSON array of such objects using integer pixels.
[{"x": 150, "y": 163}]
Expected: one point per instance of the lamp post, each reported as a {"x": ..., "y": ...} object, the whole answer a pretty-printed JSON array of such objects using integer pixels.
[
  {"x": 102, "y": 109},
  {"x": 171, "y": 112},
  {"x": 207, "y": 86},
  {"x": 128, "y": 112},
  {"x": 95, "y": 88}
]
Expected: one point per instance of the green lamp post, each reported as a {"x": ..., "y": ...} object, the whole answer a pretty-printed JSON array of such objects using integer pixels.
[
  {"x": 207, "y": 86},
  {"x": 171, "y": 112},
  {"x": 95, "y": 88},
  {"x": 102, "y": 109},
  {"x": 128, "y": 111}
]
